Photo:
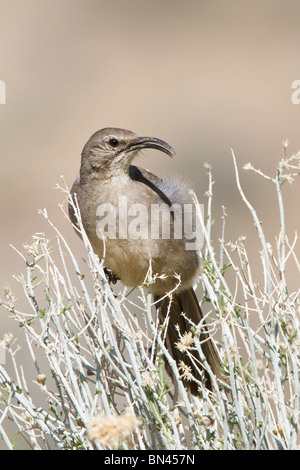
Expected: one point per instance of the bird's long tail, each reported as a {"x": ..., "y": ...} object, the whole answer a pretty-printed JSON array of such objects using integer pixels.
[{"x": 184, "y": 306}]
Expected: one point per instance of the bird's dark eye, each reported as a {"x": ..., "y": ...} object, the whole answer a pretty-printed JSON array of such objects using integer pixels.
[{"x": 113, "y": 142}]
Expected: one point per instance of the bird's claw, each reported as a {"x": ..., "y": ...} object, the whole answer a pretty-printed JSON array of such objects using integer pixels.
[{"x": 110, "y": 276}]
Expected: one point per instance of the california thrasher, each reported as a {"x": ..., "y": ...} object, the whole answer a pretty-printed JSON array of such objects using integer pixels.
[{"x": 106, "y": 178}]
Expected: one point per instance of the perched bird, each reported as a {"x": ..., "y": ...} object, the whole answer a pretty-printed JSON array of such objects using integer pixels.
[{"x": 124, "y": 211}]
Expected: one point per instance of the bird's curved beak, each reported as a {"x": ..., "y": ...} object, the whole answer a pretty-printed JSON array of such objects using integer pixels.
[{"x": 150, "y": 142}]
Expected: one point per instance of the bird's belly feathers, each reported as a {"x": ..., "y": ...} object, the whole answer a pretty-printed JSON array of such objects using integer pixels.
[{"x": 137, "y": 235}]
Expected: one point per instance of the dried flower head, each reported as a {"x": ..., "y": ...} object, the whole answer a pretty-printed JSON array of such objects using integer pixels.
[
  {"x": 248, "y": 166},
  {"x": 147, "y": 380},
  {"x": 7, "y": 290},
  {"x": 109, "y": 431},
  {"x": 41, "y": 379},
  {"x": 260, "y": 364},
  {"x": 185, "y": 341},
  {"x": 285, "y": 144},
  {"x": 206, "y": 421},
  {"x": 289, "y": 179},
  {"x": 7, "y": 340},
  {"x": 186, "y": 371}
]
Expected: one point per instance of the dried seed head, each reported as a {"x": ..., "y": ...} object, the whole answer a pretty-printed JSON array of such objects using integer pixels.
[{"x": 109, "y": 431}]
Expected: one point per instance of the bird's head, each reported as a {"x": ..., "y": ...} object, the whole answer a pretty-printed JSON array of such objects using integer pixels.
[{"x": 111, "y": 151}]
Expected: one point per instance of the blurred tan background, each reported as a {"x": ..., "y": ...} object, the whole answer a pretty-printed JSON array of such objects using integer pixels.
[{"x": 204, "y": 75}]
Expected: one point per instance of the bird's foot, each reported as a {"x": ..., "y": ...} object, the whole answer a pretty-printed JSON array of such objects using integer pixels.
[{"x": 110, "y": 276}]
